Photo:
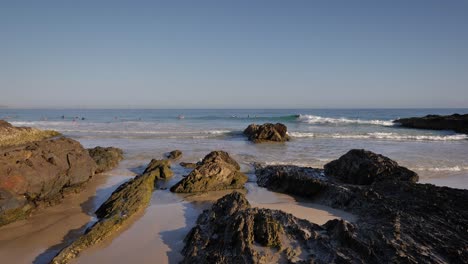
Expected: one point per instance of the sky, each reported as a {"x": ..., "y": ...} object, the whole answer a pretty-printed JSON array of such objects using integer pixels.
[{"x": 234, "y": 54}]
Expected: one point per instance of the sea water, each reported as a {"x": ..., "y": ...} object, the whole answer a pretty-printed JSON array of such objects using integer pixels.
[{"x": 318, "y": 135}]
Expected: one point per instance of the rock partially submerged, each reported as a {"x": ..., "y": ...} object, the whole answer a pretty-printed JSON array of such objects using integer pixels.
[
  {"x": 174, "y": 155},
  {"x": 160, "y": 169},
  {"x": 129, "y": 199},
  {"x": 363, "y": 167},
  {"x": 13, "y": 136},
  {"x": 456, "y": 122},
  {"x": 106, "y": 158},
  {"x": 234, "y": 232},
  {"x": 188, "y": 165},
  {"x": 399, "y": 220},
  {"x": 39, "y": 173},
  {"x": 217, "y": 171},
  {"x": 267, "y": 133}
]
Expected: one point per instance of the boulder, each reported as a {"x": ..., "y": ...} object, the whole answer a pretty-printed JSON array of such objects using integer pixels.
[
  {"x": 124, "y": 203},
  {"x": 188, "y": 165},
  {"x": 456, "y": 122},
  {"x": 160, "y": 169},
  {"x": 106, "y": 158},
  {"x": 364, "y": 167},
  {"x": 39, "y": 173},
  {"x": 267, "y": 133},
  {"x": 291, "y": 179},
  {"x": 234, "y": 232},
  {"x": 174, "y": 155},
  {"x": 217, "y": 171}
]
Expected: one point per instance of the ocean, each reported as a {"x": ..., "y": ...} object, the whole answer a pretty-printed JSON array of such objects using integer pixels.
[{"x": 318, "y": 136}]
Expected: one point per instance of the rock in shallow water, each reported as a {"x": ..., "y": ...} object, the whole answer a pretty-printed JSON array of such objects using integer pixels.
[
  {"x": 217, "y": 171},
  {"x": 267, "y": 133},
  {"x": 174, "y": 155},
  {"x": 160, "y": 169},
  {"x": 363, "y": 167},
  {"x": 106, "y": 158},
  {"x": 399, "y": 221},
  {"x": 456, "y": 122}
]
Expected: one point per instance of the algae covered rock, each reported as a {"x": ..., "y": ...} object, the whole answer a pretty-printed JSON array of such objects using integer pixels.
[
  {"x": 364, "y": 167},
  {"x": 129, "y": 199},
  {"x": 13, "y": 136},
  {"x": 267, "y": 133},
  {"x": 217, "y": 171},
  {"x": 234, "y": 232},
  {"x": 106, "y": 158},
  {"x": 174, "y": 155},
  {"x": 160, "y": 169}
]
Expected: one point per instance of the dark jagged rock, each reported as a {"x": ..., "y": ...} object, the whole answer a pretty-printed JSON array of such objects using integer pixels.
[
  {"x": 217, "y": 171},
  {"x": 160, "y": 169},
  {"x": 106, "y": 158},
  {"x": 307, "y": 181},
  {"x": 129, "y": 199},
  {"x": 39, "y": 173},
  {"x": 456, "y": 122},
  {"x": 363, "y": 167},
  {"x": 174, "y": 155},
  {"x": 267, "y": 133},
  {"x": 399, "y": 221},
  {"x": 233, "y": 232}
]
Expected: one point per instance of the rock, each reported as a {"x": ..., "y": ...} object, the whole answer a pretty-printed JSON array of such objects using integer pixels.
[
  {"x": 174, "y": 155},
  {"x": 291, "y": 179},
  {"x": 188, "y": 165},
  {"x": 12, "y": 136},
  {"x": 129, "y": 199},
  {"x": 106, "y": 158},
  {"x": 456, "y": 122},
  {"x": 364, "y": 167},
  {"x": 39, "y": 173},
  {"x": 399, "y": 221},
  {"x": 233, "y": 232},
  {"x": 217, "y": 171},
  {"x": 267, "y": 133},
  {"x": 160, "y": 169}
]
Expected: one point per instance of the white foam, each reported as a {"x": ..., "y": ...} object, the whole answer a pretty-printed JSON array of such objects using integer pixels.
[
  {"x": 437, "y": 169},
  {"x": 380, "y": 135},
  {"x": 312, "y": 119}
]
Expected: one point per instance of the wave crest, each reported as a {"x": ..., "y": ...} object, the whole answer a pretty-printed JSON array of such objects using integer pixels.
[{"x": 313, "y": 119}]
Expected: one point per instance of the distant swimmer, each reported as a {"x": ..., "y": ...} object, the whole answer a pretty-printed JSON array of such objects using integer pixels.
[
  {"x": 83, "y": 118},
  {"x": 181, "y": 117},
  {"x": 63, "y": 117}
]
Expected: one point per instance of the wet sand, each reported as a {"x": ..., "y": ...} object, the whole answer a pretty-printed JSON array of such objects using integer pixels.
[{"x": 154, "y": 236}]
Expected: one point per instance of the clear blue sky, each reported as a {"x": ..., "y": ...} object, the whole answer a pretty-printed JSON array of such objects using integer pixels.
[{"x": 234, "y": 54}]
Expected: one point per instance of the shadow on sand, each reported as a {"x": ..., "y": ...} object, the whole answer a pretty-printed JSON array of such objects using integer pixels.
[{"x": 88, "y": 207}]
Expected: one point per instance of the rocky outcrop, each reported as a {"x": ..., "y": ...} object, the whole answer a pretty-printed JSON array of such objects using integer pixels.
[
  {"x": 106, "y": 158},
  {"x": 129, "y": 199},
  {"x": 234, "y": 232},
  {"x": 174, "y": 155},
  {"x": 188, "y": 165},
  {"x": 456, "y": 122},
  {"x": 399, "y": 221},
  {"x": 217, "y": 171},
  {"x": 364, "y": 167},
  {"x": 159, "y": 169},
  {"x": 267, "y": 133},
  {"x": 39, "y": 173},
  {"x": 12, "y": 136}
]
